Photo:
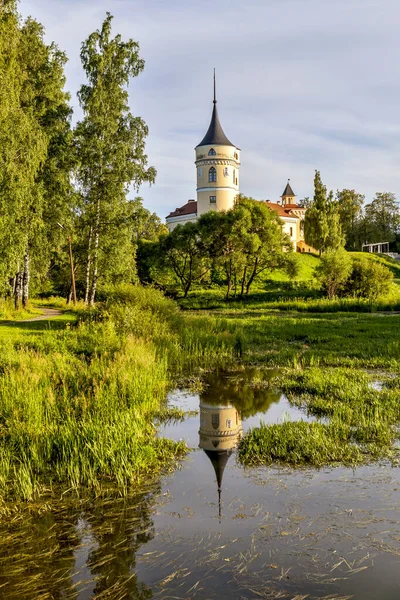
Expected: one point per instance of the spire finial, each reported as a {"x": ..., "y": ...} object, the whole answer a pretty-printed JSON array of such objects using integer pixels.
[{"x": 215, "y": 93}]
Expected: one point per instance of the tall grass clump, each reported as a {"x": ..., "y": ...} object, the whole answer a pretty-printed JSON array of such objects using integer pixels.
[
  {"x": 77, "y": 405},
  {"x": 298, "y": 443},
  {"x": 8, "y": 311}
]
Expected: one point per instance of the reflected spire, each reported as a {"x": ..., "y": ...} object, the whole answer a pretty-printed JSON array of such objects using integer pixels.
[{"x": 220, "y": 432}]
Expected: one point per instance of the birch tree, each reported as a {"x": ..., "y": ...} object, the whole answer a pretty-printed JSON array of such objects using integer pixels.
[
  {"x": 110, "y": 141},
  {"x": 23, "y": 148},
  {"x": 50, "y": 200}
]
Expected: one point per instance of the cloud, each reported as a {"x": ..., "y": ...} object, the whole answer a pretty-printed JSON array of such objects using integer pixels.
[{"x": 302, "y": 84}]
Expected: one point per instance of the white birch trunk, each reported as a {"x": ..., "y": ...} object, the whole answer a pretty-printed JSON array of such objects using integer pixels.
[
  {"x": 95, "y": 256},
  {"x": 18, "y": 290},
  {"x": 88, "y": 267},
  {"x": 26, "y": 277}
]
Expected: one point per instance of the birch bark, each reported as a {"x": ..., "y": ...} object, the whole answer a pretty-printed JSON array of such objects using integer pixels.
[{"x": 26, "y": 277}]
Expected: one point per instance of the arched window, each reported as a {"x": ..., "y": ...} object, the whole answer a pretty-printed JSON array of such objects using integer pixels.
[
  {"x": 211, "y": 152},
  {"x": 212, "y": 175}
]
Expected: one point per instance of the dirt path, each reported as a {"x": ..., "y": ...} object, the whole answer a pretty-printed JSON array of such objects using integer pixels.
[{"x": 48, "y": 313}]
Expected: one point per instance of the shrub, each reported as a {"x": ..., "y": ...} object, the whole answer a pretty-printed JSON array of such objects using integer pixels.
[
  {"x": 369, "y": 279},
  {"x": 334, "y": 271}
]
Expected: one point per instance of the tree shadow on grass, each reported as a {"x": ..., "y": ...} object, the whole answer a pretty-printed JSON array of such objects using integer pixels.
[{"x": 51, "y": 324}]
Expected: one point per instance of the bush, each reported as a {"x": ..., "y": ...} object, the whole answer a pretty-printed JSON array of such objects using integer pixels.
[
  {"x": 369, "y": 279},
  {"x": 334, "y": 271}
]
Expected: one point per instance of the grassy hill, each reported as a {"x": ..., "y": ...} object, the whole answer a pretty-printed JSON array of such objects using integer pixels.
[
  {"x": 307, "y": 264},
  {"x": 392, "y": 264}
]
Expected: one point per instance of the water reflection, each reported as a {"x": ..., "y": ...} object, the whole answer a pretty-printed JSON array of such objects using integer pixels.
[
  {"x": 220, "y": 432},
  {"x": 80, "y": 549},
  {"x": 244, "y": 390}
]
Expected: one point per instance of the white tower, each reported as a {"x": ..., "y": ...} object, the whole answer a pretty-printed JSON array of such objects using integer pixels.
[{"x": 217, "y": 163}]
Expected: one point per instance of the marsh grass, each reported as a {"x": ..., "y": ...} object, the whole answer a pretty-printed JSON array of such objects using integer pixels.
[
  {"x": 77, "y": 404},
  {"x": 360, "y": 422}
]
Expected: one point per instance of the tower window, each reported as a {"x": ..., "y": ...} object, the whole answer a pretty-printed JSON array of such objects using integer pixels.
[
  {"x": 213, "y": 199},
  {"x": 229, "y": 423},
  {"x": 234, "y": 175},
  {"x": 291, "y": 232},
  {"x": 200, "y": 172},
  {"x": 215, "y": 421},
  {"x": 211, "y": 152},
  {"x": 226, "y": 172},
  {"x": 212, "y": 175}
]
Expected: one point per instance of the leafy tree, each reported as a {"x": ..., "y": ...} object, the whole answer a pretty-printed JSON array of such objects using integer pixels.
[
  {"x": 23, "y": 147},
  {"x": 369, "y": 279},
  {"x": 322, "y": 229},
  {"x": 183, "y": 252},
  {"x": 51, "y": 201},
  {"x": 263, "y": 242},
  {"x": 110, "y": 145},
  {"x": 382, "y": 218},
  {"x": 333, "y": 271},
  {"x": 143, "y": 224},
  {"x": 350, "y": 205},
  {"x": 221, "y": 235}
]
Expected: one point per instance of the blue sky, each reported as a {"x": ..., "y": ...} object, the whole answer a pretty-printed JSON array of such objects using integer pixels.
[{"x": 302, "y": 85}]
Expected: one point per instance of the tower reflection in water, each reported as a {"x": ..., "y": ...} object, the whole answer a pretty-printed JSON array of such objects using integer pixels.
[{"x": 220, "y": 432}]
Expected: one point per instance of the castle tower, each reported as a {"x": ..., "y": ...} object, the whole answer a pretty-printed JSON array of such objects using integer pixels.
[
  {"x": 220, "y": 432},
  {"x": 288, "y": 196},
  {"x": 217, "y": 168}
]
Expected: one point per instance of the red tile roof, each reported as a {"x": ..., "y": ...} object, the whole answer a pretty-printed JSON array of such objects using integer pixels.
[
  {"x": 283, "y": 211},
  {"x": 188, "y": 209}
]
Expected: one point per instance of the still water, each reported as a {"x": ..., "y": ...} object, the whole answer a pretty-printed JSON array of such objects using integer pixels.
[{"x": 213, "y": 529}]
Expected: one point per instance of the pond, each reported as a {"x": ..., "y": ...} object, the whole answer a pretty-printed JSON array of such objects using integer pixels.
[{"x": 214, "y": 529}]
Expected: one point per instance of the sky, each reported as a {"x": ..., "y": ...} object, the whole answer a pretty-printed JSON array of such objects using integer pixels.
[{"x": 301, "y": 85}]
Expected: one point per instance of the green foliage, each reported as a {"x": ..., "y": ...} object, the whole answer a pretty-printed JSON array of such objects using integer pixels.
[
  {"x": 110, "y": 145},
  {"x": 298, "y": 443},
  {"x": 382, "y": 218},
  {"x": 350, "y": 205},
  {"x": 333, "y": 271},
  {"x": 234, "y": 247},
  {"x": 83, "y": 415},
  {"x": 23, "y": 145},
  {"x": 182, "y": 252},
  {"x": 322, "y": 227},
  {"x": 369, "y": 279}
]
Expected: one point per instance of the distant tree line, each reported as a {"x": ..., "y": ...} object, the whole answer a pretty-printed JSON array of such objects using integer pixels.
[{"x": 333, "y": 221}]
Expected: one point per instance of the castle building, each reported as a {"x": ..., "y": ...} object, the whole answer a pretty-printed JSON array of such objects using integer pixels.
[{"x": 217, "y": 178}]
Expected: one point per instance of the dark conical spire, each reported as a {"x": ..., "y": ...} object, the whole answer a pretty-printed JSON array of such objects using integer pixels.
[
  {"x": 288, "y": 190},
  {"x": 218, "y": 460},
  {"x": 215, "y": 134}
]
